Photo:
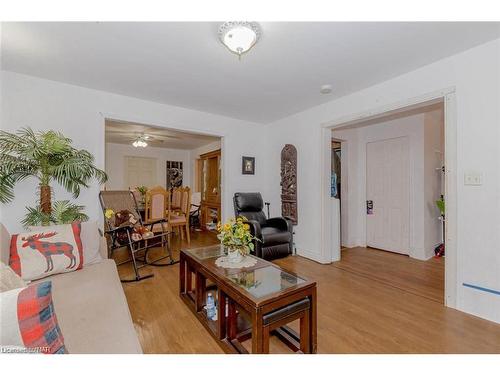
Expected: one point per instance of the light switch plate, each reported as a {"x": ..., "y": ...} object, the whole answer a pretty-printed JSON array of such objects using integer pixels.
[{"x": 473, "y": 178}]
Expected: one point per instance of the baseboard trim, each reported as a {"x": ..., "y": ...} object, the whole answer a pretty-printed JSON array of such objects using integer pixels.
[
  {"x": 349, "y": 245},
  {"x": 355, "y": 243},
  {"x": 313, "y": 256}
]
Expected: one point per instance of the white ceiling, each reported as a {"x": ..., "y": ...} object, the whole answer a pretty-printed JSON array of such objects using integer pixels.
[
  {"x": 125, "y": 133},
  {"x": 184, "y": 64}
]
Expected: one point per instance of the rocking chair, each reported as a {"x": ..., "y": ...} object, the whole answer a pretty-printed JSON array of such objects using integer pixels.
[{"x": 122, "y": 236}]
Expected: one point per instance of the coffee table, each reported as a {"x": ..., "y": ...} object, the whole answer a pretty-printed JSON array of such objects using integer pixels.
[{"x": 253, "y": 303}]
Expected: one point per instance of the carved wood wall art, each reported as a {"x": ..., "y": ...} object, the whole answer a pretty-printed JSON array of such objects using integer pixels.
[{"x": 289, "y": 183}]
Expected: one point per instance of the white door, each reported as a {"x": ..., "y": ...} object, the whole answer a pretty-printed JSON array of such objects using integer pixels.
[
  {"x": 388, "y": 190},
  {"x": 140, "y": 171}
]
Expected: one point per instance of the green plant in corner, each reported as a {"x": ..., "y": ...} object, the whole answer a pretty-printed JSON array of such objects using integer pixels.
[
  {"x": 441, "y": 206},
  {"x": 63, "y": 212},
  {"x": 48, "y": 156}
]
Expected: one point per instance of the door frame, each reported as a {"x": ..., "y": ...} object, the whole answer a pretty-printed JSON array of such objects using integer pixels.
[
  {"x": 448, "y": 97},
  {"x": 343, "y": 202}
]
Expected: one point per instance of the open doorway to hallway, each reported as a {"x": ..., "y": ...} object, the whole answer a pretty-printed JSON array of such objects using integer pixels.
[
  {"x": 141, "y": 157},
  {"x": 390, "y": 187}
]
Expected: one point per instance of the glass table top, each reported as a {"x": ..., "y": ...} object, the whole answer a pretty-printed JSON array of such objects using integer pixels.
[
  {"x": 259, "y": 281},
  {"x": 266, "y": 280},
  {"x": 207, "y": 252}
]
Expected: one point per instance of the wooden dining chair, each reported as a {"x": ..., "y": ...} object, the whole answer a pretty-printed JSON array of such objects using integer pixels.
[
  {"x": 180, "y": 218},
  {"x": 176, "y": 198},
  {"x": 157, "y": 206}
]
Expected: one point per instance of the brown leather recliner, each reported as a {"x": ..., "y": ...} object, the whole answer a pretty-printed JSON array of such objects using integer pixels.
[{"x": 275, "y": 233}]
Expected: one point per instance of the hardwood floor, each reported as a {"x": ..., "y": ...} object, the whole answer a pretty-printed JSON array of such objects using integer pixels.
[
  {"x": 423, "y": 278},
  {"x": 163, "y": 322},
  {"x": 370, "y": 302}
]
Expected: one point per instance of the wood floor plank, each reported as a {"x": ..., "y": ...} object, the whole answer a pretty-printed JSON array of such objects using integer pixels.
[
  {"x": 365, "y": 305},
  {"x": 424, "y": 278}
]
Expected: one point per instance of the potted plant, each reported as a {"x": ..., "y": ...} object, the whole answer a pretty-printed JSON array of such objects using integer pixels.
[
  {"x": 48, "y": 156},
  {"x": 441, "y": 205},
  {"x": 63, "y": 212},
  {"x": 236, "y": 238},
  {"x": 142, "y": 190}
]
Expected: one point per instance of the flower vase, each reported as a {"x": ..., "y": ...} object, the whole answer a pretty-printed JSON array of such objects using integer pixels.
[{"x": 234, "y": 255}]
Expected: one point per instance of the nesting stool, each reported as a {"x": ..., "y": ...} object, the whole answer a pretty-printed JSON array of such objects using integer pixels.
[{"x": 277, "y": 319}]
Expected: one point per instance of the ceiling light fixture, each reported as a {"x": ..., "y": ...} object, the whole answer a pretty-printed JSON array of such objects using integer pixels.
[
  {"x": 140, "y": 142},
  {"x": 239, "y": 36}
]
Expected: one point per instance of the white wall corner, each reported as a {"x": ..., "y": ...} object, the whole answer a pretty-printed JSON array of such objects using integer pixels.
[
  {"x": 349, "y": 245},
  {"x": 419, "y": 253},
  {"x": 316, "y": 256}
]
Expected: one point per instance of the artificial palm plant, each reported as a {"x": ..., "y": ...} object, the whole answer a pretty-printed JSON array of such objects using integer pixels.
[
  {"x": 63, "y": 212},
  {"x": 47, "y": 156}
]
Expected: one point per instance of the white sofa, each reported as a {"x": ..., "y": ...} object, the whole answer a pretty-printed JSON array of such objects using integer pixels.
[{"x": 90, "y": 305}]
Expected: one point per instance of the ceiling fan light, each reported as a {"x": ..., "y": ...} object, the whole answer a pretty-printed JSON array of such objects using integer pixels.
[{"x": 139, "y": 142}]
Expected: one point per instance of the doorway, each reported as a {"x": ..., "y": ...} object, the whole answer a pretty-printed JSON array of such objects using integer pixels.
[
  {"x": 140, "y": 157},
  {"x": 383, "y": 168},
  {"x": 395, "y": 179},
  {"x": 336, "y": 186}
]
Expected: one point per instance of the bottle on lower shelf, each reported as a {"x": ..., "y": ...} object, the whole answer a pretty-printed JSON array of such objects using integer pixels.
[{"x": 211, "y": 311}]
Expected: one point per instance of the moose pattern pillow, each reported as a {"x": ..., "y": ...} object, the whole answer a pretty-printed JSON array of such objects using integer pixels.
[{"x": 38, "y": 254}]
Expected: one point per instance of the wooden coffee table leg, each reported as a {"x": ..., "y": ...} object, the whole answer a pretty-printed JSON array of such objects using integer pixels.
[
  {"x": 189, "y": 279},
  {"x": 265, "y": 339},
  {"x": 257, "y": 332},
  {"x": 313, "y": 322},
  {"x": 305, "y": 329},
  {"x": 200, "y": 286},
  {"x": 182, "y": 274},
  {"x": 231, "y": 320},
  {"x": 221, "y": 315}
]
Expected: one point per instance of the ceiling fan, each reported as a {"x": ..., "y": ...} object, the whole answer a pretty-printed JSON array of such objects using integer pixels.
[{"x": 138, "y": 137}]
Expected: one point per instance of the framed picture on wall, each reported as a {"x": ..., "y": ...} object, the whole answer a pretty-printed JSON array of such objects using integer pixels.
[{"x": 247, "y": 165}]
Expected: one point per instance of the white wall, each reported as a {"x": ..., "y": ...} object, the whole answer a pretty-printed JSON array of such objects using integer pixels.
[
  {"x": 116, "y": 164},
  {"x": 475, "y": 76},
  {"x": 80, "y": 113}
]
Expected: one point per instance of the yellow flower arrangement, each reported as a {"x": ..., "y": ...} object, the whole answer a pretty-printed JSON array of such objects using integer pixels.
[{"x": 235, "y": 234}]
